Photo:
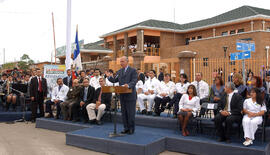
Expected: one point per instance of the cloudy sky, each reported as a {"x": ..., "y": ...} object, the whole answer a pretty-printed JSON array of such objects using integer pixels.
[{"x": 26, "y": 25}]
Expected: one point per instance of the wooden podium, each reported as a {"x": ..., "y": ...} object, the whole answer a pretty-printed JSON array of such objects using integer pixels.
[{"x": 116, "y": 90}]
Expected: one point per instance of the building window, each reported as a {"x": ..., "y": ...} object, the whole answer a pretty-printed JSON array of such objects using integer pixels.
[
  {"x": 232, "y": 32},
  {"x": 193, "y": 38},
  {"x": 187, "y": 41},
  {"x": 224, "y": 33},
  {"x": 241, "y": 30},
  {"x": 199, "y": 37},
  {"x": 205, "y": 62},
  {"x": 268, "y": 29}
]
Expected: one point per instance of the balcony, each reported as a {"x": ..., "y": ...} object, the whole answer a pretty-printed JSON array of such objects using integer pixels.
[{"x": 148, "y": 51}]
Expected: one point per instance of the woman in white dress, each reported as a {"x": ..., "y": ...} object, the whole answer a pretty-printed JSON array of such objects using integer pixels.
[
  {"x": 188, "y": 106},
  {"x": 254, "y": 109}
]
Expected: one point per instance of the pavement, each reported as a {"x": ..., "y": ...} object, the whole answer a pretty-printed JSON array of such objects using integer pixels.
[{"x": 25, "y": 139}]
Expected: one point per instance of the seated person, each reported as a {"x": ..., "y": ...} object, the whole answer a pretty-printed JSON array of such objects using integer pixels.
[
  {"x": 254, "y": 109},
  {"x": 188, "y": 106},
  {"x": 239, "y": 85},
  {"x": 256, "y": 82},
  {"x": 165, "y": 91},
  {"x": 11, "y": 94},
  {"x": 149, "y": 92},
  {"x": 229, "y": 111},
  {"x": 181, "y": 88},
  {"x": 72, "y": 98},
  {"x": 87, "y": 96},
  {"x": 59, "y": 95},
  {"x": 3, "y": 90},
  {"x": 103, "y": 102},
  {"x": 140, "y": 83},
  {"x": 202, "y": 88}
]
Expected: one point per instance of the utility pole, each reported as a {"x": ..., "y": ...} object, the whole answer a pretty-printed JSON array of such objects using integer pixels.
[{"x": 4, "y": 56}]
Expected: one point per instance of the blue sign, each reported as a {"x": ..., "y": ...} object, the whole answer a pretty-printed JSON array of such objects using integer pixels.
[
  {"x": 241, "y": 46},
  {"x": 240, "y": 55}
]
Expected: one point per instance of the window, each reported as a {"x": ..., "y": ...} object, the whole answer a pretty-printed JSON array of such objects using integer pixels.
[
  {"x": 232, "y": 32},
  {"x": 205, "y": 62},
  {"x": 199, "y": 37},
  {"x": 268, "y": 29},
  {"x": 224, "y": 33},
  {"x": 187, "y": 41},
  {"x": 193, "y": 38},
  {"x": 241, "y": 30}
]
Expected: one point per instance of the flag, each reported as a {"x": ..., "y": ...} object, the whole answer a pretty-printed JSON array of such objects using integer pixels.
[{"x": 77, "y": 56}]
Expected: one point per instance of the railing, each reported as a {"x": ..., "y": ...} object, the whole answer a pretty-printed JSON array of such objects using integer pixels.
[
  {"x": 207, "y": 67},
  {"x": 148, "y": 51}
]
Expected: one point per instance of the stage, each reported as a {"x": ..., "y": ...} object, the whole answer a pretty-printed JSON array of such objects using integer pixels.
[{"x": 153, "y": 135}]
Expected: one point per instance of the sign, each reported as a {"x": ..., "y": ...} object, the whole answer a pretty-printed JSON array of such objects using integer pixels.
[
  {"x": 240, "y": 55},
  {"x": 245, "y": 46},
  {"x": 52, "y": 73},
  {"x": 61, "y": 51}
]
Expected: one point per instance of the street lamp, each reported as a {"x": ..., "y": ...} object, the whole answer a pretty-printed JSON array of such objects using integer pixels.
[
  {"x": 267, "y": 49},
  {"x": 225, "y": 50}
]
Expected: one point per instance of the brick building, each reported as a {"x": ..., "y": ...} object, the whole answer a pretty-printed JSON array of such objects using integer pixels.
[{"x": 153, "y": 44}]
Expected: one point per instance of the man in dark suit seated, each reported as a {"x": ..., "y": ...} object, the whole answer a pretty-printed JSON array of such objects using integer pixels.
[
  {"x": 87, "y": 96},
  {"x": 103, "y": 102},
  {"x": 229, "y": 111}
]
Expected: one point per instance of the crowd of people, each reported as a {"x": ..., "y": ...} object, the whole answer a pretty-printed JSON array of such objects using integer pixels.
[{"x": 81, "y": 97}]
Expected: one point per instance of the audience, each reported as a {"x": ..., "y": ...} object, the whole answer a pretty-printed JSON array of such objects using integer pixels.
[{"x": 202, "y": 88}]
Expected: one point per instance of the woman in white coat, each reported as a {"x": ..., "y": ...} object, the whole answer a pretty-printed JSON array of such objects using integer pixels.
[
  {"x": 254, "y": 109},
  {"x": 188, "y": 106}
]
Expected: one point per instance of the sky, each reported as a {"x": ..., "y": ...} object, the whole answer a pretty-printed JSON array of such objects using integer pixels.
[{"x": 26, "y": 25}]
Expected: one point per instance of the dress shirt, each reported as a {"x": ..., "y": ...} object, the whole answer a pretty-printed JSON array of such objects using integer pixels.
[
  {"x": 203, "y": 90},
  {"x": 94, "y": 82},
  {"x": 229, "y": 101},
  {"x": 167, "y": 88},
  {"x": 182, "y": 88},
  {"x": 85, "y": 93},
  {"x": 267, "y": 87},
  {"x": 139, "y": 85},
  {"x": 151, "y": 84}
]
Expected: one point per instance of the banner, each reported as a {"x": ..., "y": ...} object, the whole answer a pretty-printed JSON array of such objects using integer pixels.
[{"x": 52, "y": 73}]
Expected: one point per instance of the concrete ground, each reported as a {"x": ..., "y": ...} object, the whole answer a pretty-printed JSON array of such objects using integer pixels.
[{"x": 25, "y": 139}]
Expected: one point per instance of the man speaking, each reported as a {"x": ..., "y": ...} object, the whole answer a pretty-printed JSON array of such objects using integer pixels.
[{"x": 126, "y": 77}]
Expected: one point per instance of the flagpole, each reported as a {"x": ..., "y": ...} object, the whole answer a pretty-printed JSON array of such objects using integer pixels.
[
  {"x": 68, "y": 36},
  {"x": 54, "y": 39}
]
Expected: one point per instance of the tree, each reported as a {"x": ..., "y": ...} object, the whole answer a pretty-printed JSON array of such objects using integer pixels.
[{"x": 25, "y": 62}]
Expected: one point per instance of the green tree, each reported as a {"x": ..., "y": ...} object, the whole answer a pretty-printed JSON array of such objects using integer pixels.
[{"x": 25, "y": 62}]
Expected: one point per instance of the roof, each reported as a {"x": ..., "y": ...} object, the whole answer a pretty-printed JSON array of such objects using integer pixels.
[
  {"x": 236, "y": 14},
  {"x": 96, "y": 47}
]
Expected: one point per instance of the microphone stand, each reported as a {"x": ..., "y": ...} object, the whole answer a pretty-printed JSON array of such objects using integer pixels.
[
  {"x": 22, "y": 100},
  {"x": 115, "y": 134}
]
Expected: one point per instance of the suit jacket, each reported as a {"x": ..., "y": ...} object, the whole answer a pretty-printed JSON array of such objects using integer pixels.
[
  {"x": 129, "y": 77},
  {"x": 91, "y": 98},
  {"x": 34, "y": 87},
  {"x": 65, "y": 81},
  {"x": 106, "y": 98},
  {"x": 236, "y": 103}
]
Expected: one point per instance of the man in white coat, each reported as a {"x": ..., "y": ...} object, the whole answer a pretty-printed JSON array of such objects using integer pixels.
[
  {"x": 59, "y": 95},
  {"x": 149, "y": 92}
]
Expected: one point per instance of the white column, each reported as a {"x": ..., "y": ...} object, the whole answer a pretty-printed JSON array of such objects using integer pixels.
[
  {"x": 263, "y": 25},
  {"x": 214, "y": 32}
]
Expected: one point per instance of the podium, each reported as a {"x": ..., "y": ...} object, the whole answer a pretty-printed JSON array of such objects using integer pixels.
[{"x": 116, "y": 90}]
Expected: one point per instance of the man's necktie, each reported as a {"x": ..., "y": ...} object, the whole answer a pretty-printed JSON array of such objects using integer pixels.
[
  {"x": 59, "y": 88},
  {"x": 40, "y": 85},
  {"x": 198, "y": 89}
]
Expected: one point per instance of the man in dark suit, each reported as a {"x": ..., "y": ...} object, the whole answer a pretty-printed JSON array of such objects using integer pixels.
[
  {"x": 87, "y": 96},
  {"x": 38, "y": 92},
  {"x": 126, "y": 77},
  {"x": 229, "y": 108},
  {"x": 68, "y": 79}
]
